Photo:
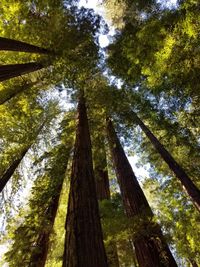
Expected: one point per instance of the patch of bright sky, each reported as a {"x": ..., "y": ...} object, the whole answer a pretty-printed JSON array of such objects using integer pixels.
[
  {"x": 98, "y": 8},
  {"x": 168, "y": 3}
]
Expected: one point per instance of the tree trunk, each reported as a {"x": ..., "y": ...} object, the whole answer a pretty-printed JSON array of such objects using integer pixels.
[
  {"x": 39, "y": 255},
  {"x": 102, "y": 184},
  {"x": 12, "y": 168},
  {"x": 14, "y": 45},
  {"x": 103, "y": 192},
  {"x": 11, "y": 71},
  {"x": 5, "y": 97},
  {"x": 150, "y": 247},
  {"x": 84, "y": 239},
  {"x": 190, "y": 188},
  {"x": 101, "y": 172}
]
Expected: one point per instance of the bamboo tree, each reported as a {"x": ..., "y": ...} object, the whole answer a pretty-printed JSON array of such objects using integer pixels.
[
  {"x": 190, "y": 188},
  {"x": 150, "y": 247},
  {"x": 14, "y": 45},
  {"x": 84, "y": 239},
  {"x": 11, "y": 71}
]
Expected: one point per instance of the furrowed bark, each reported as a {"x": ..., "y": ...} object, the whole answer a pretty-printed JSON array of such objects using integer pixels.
[
  {"x": 188, "y": 185},
  {"x": 84, "y": 239},
  {"x": 7, "y": 44},
  {"x": 150, "y": 247},
  {"x": 15, "y": 70}
]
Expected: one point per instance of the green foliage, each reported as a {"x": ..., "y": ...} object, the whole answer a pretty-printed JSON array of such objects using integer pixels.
[
  {"x": 37, "y": 221},
  {"x": 155, "y": 54},
  {"x": 177, "y": 215}
]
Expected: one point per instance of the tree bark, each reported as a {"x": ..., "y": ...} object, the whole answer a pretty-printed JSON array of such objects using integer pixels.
[
  {"x": 150, "y": 247},
  {"x": 11, "y": 71},
  {"x": 188, "y": 186},
  {"x": 14, "y": 45},
  {"x": 84, "y": 239}
]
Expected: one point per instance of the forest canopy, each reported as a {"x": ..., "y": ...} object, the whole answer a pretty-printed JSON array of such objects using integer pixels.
[{"x": 99, "y": 146}]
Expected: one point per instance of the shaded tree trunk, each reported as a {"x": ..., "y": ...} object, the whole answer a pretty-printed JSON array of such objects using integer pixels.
[
  {"x": 102, "y": 184},
  {"x": 103, "y": 192},
  {"x": 84, "y": 240},
  {"x": 14, "y": 45},
  {"x": 39, "y": 255},
  {"x": 38, "y": 258},
  {"x": 11, "y": 169},
  {"x": 5, "y": 97},
  {"x": 101, "y": 172},
  {"x": 190, "y": 188},
  {"x": 11, "y": 71},
  {"x": 150, "y": 247},
  {"x": 14, "y": 165}
]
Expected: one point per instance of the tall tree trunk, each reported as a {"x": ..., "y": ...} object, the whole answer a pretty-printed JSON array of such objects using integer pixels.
[
  {"x": 102, "y": 184},
  {"x": 39, "y": 255},
  {"x": 150, "y": 247},
  {"x": 11, "y": 71},
  {"x": 186, "y": 182},
  {"x": 14, "y": 165},
  {"x": 103, "y": 192},
  {"x": 11, "y": 169},
  {"x": 5, "y": 97},
  {"x": 100, "y": 169},
  {"x": 84, "y": 239},
  {"x": 14, "y": 45}
]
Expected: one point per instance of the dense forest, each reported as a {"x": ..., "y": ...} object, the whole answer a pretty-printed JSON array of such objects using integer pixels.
[{"x": 73, "y": 114}]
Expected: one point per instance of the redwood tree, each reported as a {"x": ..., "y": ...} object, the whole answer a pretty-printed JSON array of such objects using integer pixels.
[
  {"x": 185, "y": 180},
  {"x": 40, "y": 252},
  {"x": 150, "y": 246},
  {"x": 14, "y": 45},
  {"x": 5, "y": 97},
  {"x": 14, "y": 165},
  {"x": 103, "y": 190},
  {"x": 84, "y": 239},
  {"x": 14, "y": 70}
]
